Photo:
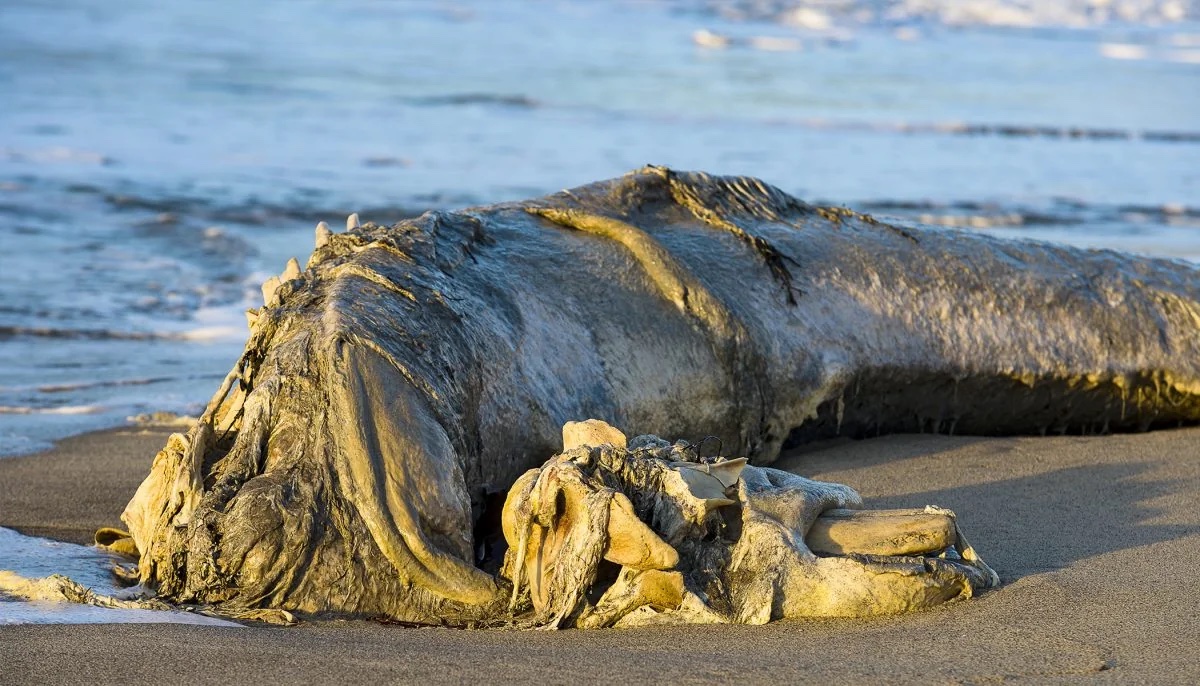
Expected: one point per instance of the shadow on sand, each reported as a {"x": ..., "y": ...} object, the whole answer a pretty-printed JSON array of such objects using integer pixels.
[{"x": 1047, "y": 521}]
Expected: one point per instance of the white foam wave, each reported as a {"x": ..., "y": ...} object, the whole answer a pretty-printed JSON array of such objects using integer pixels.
[
  {"x": 55, "y": 154},
  {"x": 1132, "y": 51},
  {"x": 218, "y": 324},
  {"x": 62, "y": 410},
  {"x": 1124, "y": 51},
  {"x": 33, "y": 558},
  {"x": 824, "y": 15},
  {"x": 1185, "y": 40}
]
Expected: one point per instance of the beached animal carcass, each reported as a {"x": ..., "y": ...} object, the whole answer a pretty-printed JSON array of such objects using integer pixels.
[{"x": 356, "y": 460}]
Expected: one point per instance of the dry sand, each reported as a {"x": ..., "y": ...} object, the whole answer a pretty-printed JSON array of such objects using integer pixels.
[{"x": 1097, "y": 540}]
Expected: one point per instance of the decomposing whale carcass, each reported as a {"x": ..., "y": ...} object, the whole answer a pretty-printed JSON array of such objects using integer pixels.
[{"x": 357, "y": 459}]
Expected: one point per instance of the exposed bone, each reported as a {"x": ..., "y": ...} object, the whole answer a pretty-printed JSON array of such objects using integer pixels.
[
  {"x": 511, "y": 519},
  {"x": 634, "y": 589},
  {"x": 323, "y": 234},
  {"x": 692, "y": 610},
  {"x": 705, "y": 487},
  {"x": 725, "y": 471},
  {"x": 291, "y": 271},
  {"x": 690, "y": 505},
  {"x": 352, "y": 221},
  {"x": 964, "y": 549},
  {"x": 881, "y": 532},
  {"x": 591, "y": 432},
  {"x": 270, "y": 288},
  {"x": 633, "y": 544},
  {"x": 879, "y": 563}
]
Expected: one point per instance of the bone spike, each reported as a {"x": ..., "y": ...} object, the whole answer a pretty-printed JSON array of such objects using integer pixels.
[
  {"x": 634, "y": 589},
  {"x": 291, "y": 271},
  {"x": 324, "y": 233},
  {"x": 352, "y": 221},
  {"x": 269, "y": 288}
]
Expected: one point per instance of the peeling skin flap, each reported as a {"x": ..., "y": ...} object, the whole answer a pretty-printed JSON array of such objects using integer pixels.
[{"x": 405, "y": 480}]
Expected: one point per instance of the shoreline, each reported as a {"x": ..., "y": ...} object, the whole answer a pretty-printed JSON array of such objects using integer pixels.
[
  {"x": 1095, "y": 539},
  {"x": 41, "y": 493}
]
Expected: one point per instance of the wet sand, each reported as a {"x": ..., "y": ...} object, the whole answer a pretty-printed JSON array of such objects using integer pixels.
[{"x": 1097, "y": 540}]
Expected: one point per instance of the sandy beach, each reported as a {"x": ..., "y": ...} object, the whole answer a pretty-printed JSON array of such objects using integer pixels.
[{"x": 1097, "y": 540}]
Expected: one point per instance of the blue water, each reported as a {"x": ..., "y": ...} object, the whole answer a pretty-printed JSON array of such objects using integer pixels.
[{"x": 159, "y": 160}]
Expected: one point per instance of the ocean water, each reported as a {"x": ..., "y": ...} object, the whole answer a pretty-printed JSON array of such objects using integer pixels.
[{"x": 159, "y": 160}]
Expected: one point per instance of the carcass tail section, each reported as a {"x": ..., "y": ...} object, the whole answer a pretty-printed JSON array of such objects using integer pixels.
[
  {"x": 933, "y": 331},
  {"x": 883, "y": 401},
  {"x": 975, "y": 335}
]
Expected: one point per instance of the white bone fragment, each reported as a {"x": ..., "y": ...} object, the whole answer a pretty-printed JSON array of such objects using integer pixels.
[
  {"x": 269, "y": 289},
  {"x": 727, "y": 471},
  {"x": 323, "y": 234},
  {"x": 291, "y": 271},
  {"x": 705, "y": 487},
  {"x": 591, "y": 432}
]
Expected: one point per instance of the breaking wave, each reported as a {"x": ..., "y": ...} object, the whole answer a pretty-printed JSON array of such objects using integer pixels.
[
  {"x": 1059, "y": 212},
  {"x": 32, "y": 558},
  {"x": 830, "y": 14}
]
